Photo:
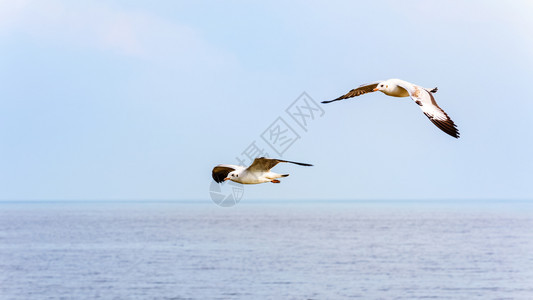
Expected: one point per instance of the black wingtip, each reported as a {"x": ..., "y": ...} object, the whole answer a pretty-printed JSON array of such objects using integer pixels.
[
  {"x": 454, "y": 135},
  {"x": 217, "y": 179},
  {"x": 297, "y": 163},
  {"x": 220, "y": 173},
  {"x": 453, "y": 132}
]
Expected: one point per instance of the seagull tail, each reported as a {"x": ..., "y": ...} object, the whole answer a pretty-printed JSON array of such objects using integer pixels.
[{"x": 284, "y": 175}]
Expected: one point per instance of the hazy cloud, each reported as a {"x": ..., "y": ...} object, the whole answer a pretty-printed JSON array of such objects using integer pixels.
[{"x": 106, "y": 28}]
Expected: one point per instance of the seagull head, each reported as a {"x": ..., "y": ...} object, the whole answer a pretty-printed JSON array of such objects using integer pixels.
[
  {"x": 232, "y": 176},
  {"x": 382, "y": 86}
]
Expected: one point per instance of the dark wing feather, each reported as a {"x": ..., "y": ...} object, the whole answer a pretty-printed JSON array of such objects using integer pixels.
[
  {"x": 221, "y": 172},
  {"x": 296, "y": 163},
  {"x": 363, "y": 89},
  {"x": 431, "y": 109},
  {"x": 447, "y": 125},
  {"x": 264, "y": 164}
]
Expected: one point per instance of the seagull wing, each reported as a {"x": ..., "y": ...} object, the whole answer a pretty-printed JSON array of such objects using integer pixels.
[
  {"x": 221, "y": 171},
  {"x": 362, "y": 89},
  {"x": 263, "y": 164},
  {"x": 429, "y": 107}
]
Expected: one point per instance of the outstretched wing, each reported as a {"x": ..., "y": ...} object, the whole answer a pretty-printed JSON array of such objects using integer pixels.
[
  {"x": 263, "y": 164},
  {"x": 221, "y": 171},
  {"x": 362, "y": 89},
  {"x": 429, "y": 107}
]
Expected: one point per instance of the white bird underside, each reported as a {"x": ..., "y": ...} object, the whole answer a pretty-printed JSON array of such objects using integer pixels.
[
  {"x": 421, "y": 96},
  {"x": 257, "y": 172}
]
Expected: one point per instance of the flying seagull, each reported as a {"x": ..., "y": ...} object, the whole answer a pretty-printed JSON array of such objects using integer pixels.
[
  {"x": 421, "y": 96},
  {"x": 257, "y": 172}
]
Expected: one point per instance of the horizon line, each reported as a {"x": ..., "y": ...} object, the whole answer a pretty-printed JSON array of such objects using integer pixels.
[{"x": 262, "y": 201}]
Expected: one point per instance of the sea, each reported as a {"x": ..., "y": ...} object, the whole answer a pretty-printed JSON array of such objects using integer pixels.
[{"x": 267, "y": 250}]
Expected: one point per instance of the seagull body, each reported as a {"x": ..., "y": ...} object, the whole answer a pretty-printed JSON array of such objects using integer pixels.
[
  {"x": 421, "y": 96},
  {"x": 257, "y": 172}
]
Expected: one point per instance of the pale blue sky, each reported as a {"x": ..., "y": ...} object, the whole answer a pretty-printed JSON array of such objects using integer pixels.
[{"x": 140, "y": 99}]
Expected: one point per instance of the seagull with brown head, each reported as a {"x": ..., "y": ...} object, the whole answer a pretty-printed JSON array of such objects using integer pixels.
[
  {"x": 258, "y": 172},
  {"x": 421, "y": 96}
]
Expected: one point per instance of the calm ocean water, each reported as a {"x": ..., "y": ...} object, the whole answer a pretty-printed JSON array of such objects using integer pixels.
[{"x": 311, "y": 250}]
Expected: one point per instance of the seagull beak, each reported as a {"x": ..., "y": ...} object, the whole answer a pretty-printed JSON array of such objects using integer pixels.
[
  {"x": 226, "y": 179},
  {"x": 375, "y": 90}
]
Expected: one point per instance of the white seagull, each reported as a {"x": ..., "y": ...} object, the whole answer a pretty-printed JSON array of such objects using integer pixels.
[
  {"x": 421, "y": 96},
  {"x": 257, "y": 172}
]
